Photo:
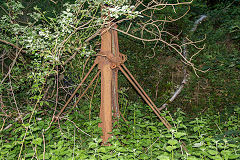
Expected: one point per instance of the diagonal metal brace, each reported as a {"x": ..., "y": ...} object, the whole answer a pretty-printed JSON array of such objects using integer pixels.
[
  {"x": 143, "y": 94},
  {"x": 78, "y": 87}
]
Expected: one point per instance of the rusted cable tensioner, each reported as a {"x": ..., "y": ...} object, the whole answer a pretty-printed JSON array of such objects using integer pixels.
[
  {"x": 110, "y": 61},
  {"x": 116, "y": 61}
]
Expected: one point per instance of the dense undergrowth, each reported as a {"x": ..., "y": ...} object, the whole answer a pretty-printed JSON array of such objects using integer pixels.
[
  {"x": 141, "y": 136},
  {"x": 205, "y": 116}
]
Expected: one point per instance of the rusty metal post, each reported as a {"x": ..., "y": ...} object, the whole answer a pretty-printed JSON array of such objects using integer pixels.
[
  {"x": 108, "y": 59},
  {"x": 106, "y": 85}
]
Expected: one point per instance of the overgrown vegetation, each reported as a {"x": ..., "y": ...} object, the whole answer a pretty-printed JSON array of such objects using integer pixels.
[
  {"x": 140, "y": 137},
  {"x": 43, "y": 59}
]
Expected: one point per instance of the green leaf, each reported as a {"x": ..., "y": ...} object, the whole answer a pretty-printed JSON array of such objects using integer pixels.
[
  {"x": 106, "y": 157},
  {"x": 192, "y": 158},
  {"x": 217, "y": 157},
  {"x": 212, "y": 152},
  {"x": 29, "y": 137},
  {"x": 200, "y": 144},
  {"x": 60, "y": 144},
  {"x": 37, "y": 141},
  {"x": 172, "y": 142},
  {"x": 196, "y": 128},
  {"x": 226, "y": 153},
  {"x": 41, "y": 103},
  {"x": 232, "y": 145},
  {"x": 47, "y": 156},
  {"x": 102, "y": 149},
  {"x": 234, "y": 156},
  {"x": 179, "y": 134},
  {"x": 26, "y": 125},
  {"x": 163, "y": 157},
  {"x": 153, "y": 128},
  {"x": 92, "y": 145},
  {"x": 46, "y": 102},
  {"x": 170, "y": 148},
  {"x": 8, "y": 146},
  {"x": 36, "y": 129},
  {"x": 28, "y": 155},
  {"x": 121, "y": 149}
]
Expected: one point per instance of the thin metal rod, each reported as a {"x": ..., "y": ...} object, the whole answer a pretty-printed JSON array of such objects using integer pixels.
[
  {"x": 144, "y": 93},
  {"x": 86, "y": 89},
  {"x": 145, "y": 99},
  {"x": 165, "y": 122},
  {"x": 139, "y": 86},
  {"x": 76, "y": 90}
]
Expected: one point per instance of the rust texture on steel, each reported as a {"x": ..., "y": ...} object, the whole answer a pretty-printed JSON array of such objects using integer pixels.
[
  {"x": 109, "y": 59},
  {"x": 106, "y": 85}
]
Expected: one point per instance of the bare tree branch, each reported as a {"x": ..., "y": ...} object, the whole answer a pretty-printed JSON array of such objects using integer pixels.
[
  {"x": 185, "y": 54},
  {"x": 13, "y": 45}
]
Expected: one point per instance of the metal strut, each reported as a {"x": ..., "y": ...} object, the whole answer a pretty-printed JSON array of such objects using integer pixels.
[
  {"x": 78, "y": 87},
  {"x": 144, "y": 96}
]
